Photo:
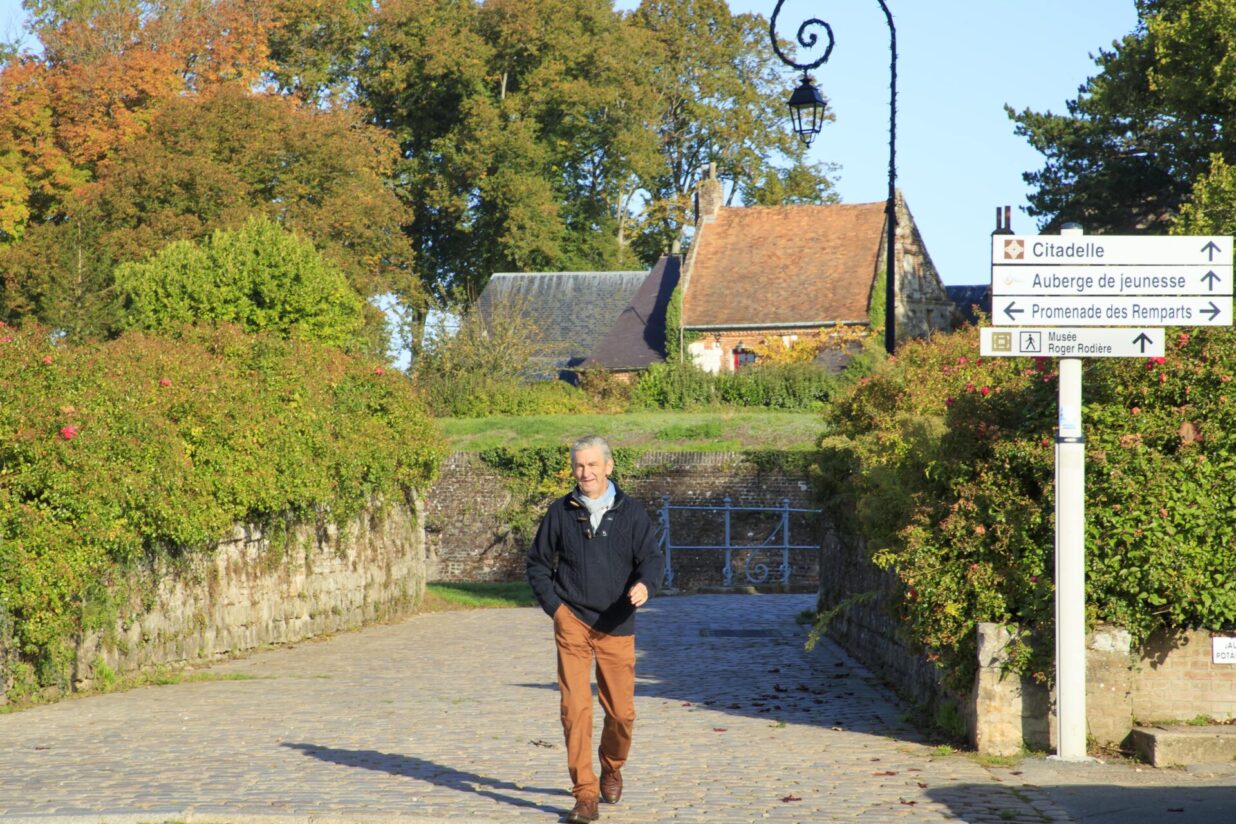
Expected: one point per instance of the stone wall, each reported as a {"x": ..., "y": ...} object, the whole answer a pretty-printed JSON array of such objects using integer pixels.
[
  {"x": 864, "y": 624},
  {"x": 1170, "y": 678},
  {"x": 245, "y": 594},
  {"x": 470, "y": 539}
]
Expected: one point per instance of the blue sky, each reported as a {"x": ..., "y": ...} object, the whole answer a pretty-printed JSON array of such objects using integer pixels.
[{"x": 959, "y": 62}]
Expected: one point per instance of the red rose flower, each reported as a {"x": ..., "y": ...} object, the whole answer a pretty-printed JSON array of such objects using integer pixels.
[
  {"x": 379, "y": 371},
  {"x": 985, "y": 390},
  {"x": 47, "y": 360},
  {"x": 68, "y": 432},
  {"x": 165, "y": 381}
]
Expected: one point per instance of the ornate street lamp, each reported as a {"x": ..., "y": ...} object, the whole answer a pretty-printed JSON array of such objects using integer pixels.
[{"x": 807, "y": 112}]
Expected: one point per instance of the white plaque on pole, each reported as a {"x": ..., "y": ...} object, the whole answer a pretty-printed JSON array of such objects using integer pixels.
[
  {"x": 1044, "y": 280},
  {"x": 1111, "y": 250},
  {"x": 1029, "y": 310},
  {"x": 1068, "y": 342}
]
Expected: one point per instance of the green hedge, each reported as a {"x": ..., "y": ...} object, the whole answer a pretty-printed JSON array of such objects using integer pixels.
[
  {"x": 943, "y": 462},
  {"x": 683, "y": 386},
  {"x": 157, "y": 445}
]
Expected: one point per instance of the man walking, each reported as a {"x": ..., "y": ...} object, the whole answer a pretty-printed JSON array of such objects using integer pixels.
[{"x": 595, "y": 560}]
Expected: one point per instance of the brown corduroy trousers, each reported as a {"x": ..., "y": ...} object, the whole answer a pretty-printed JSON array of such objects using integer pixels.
[{"x": 578, "y": 645}]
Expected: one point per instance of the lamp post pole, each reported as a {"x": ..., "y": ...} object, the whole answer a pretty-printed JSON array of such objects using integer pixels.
[{"x": 807, "y": 99}]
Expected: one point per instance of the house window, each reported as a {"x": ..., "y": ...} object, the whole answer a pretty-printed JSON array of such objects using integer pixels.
[{"x": 742, "y": 357}]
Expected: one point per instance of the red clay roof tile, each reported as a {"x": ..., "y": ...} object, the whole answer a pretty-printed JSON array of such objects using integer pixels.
[{"x": 784, "y": 265}]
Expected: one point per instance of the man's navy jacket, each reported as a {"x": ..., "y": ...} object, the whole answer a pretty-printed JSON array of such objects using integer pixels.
[{"x": 590, "y": 569}]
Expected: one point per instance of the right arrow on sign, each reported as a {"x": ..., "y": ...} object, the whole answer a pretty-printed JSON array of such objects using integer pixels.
[
  {"x": 1011, "y": 312},
  {"x": 1144, "y": 340},
  {"x": 1211, "y": 248},
  {"x": 1213, "y": 311}
]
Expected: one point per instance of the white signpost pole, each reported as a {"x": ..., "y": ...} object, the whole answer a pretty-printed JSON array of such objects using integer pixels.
[{"x": 1070, "y": 563}]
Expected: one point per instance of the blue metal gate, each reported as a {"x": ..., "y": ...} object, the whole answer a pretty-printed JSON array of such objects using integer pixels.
[{"x": 755, "y": 573}]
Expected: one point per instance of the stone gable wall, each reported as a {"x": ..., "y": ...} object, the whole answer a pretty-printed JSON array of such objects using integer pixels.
[{"x": 469, "y": 539}]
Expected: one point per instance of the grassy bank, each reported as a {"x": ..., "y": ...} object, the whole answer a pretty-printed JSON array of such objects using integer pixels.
[
  {"x": 440, "y": 597},
  {"x": 676, "y": 431}
]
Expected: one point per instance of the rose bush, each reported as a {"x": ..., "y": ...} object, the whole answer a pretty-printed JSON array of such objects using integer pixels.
[
  {"x": 148, "y": 445},
  {"x": 942, "y": 462}
]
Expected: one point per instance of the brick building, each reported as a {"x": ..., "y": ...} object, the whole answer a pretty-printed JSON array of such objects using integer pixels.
[{"x": 757, "y": 273}]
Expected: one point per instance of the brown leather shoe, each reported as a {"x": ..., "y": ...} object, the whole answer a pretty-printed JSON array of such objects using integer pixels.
[
  {"x": 584, "y": 812},
  {"x": 611, "y": 786}
]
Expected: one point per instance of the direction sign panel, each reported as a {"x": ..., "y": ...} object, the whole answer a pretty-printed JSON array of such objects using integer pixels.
[
  {"x": 1065, "y": 342},
  {"x": 1046, "y": 280},
  {"x": 1111, "y": 250},
  {"x": 1112, "y": 311}
]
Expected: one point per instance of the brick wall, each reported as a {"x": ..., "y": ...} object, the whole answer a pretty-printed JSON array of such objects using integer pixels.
[
  {"x": 1175, "y": 679},
  {"x": 469, "y": 539}
]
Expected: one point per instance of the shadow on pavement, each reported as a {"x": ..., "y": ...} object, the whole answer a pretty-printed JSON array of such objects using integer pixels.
[
  {"x": 1115, "y": 804},
  {"x": 753, "y": 664},
  {"x": 438, "y": 774}
]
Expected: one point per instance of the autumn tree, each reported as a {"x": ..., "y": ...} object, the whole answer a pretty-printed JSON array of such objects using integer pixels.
[
  {"x": 1144, "y": 129},
  {"x": 210, "y": 162}
]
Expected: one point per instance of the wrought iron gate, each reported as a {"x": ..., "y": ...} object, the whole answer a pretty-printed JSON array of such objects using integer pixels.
[{"x": 755, "y": 573}]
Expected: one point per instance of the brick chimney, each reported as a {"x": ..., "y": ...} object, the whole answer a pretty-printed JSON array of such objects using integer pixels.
[{"x": 708, "y": 196}]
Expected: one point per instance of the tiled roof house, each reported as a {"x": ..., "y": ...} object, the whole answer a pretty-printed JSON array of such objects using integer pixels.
[
  {"x": 760, "y": 272},
  {"x": 568, "y": 312}
]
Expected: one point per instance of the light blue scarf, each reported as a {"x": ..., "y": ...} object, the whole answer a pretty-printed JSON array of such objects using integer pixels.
[{"x": 597, "y": 506}]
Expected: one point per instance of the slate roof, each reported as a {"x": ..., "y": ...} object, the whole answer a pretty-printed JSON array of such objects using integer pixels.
[
  {"x": 784, "y": 265},
  {"x": 637, "y": 338},
  {"x": 967, "y": 297},
  {"x": 571, "y": 311}
]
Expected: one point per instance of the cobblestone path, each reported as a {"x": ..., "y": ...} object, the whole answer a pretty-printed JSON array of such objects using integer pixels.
[{"x": 454, "y": 716}]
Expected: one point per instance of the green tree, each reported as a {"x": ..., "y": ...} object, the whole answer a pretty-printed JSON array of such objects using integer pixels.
[
  {"x": 258, "y": 277},
  {"x": 521, "y": 128},
  {"x": 721, "y": 97},
  {"x": 1143, "y": 129}
]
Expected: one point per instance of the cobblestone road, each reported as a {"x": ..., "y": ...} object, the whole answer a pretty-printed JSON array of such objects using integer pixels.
[{"x": 454, "y": 716}]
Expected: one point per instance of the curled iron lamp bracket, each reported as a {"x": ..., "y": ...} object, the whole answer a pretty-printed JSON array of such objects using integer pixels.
[{"x": 806, "y": 38}]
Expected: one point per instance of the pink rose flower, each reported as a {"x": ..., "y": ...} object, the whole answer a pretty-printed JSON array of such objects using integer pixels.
[
  {"x": 985, "y": 390},
  {"x": 165, "y": 381},
  {"x": 68, "y": 432}
]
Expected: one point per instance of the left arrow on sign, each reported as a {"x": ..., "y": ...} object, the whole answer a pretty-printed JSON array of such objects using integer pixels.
[{"x": 1013, "y": 313}]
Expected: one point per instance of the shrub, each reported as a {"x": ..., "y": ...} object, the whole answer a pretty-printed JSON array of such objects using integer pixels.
[
  {"x": 943, "y": 463},
  {"x": 683, "y": 386},
  {"x": 259, "y": 277},
  {"x": 144, "y": 446}
]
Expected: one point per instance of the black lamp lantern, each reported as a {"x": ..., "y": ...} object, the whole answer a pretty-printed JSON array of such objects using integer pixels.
[{"x": 807, "y": 110}]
